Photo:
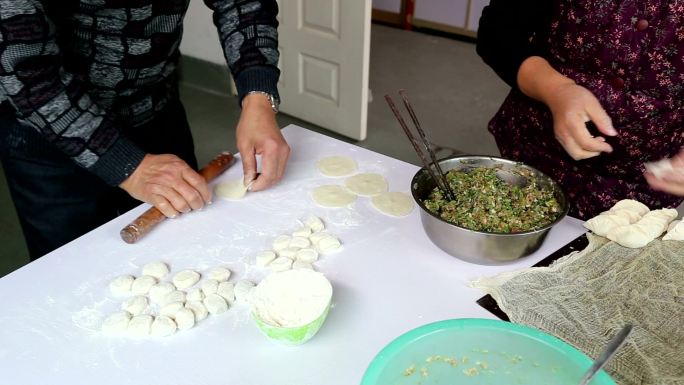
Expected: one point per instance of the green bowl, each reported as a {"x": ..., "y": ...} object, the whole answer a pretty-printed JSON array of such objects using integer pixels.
[
  {"x": 478, "y": 352},
  {"x": 295, "y": 335}
]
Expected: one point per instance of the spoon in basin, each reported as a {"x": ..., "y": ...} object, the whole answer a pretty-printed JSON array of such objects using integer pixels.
[{"x": 613, "y": 346}]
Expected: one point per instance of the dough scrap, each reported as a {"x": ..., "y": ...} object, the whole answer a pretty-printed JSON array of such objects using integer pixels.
[
  {"x": 336, "y": 166},
  {"x": 215, "y": 304},
  {"x": 367, "y": 184},
  {"x": 243, "y": 289},
  {"x": 220, "y": 274},
  {"x": 263, "y": 258},
  {"x": 163, "y": 326},
  {"x": 198, "y": 309},
  {"x": 135, "y": 305},
  {"x": 314, "y": 223},
  {"x": 194, "y": 294},
  {"x": 116, "y": 323},
  {"x": 185, "y": 319},
  {"x": 143, "y": 284},
  {"x": 395, "y": 204},
  {"x": 157, "y": 270},
  {"x": 170, "y": 309},
  {"x": 231, "y": 190},
  {"x": 281, "y": 242},
  {"x": 159, "y": 291},
  {"x": 227, "y": 291},
  {"x": 281, "y": 264},
  {"x": 332, "y": 195},
  {"x": 209, "y": 286},
  {"x": 306, "y": 255},
  {"x": 140, "y": 325},
  {"x": 186, "y": 278},
  {"x": 121, "y": 285}
]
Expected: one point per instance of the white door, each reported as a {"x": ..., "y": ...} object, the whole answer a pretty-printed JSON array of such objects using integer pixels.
[{"x": 324, "y": 60}]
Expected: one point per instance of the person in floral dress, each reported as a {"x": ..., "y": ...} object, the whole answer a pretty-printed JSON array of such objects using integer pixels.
[{"x": 597, "y": 91}]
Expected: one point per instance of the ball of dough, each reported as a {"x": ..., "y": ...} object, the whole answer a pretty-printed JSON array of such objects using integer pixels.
[
  {"x": 243, "y": 289},
  {"x": 367, "y": 184},
  {"x": 140, "y": 325},
  {"x": 215, "y": 304},
  {"x": 314, "y": 223},
  {"x": 157, "y": 270},
  {"x": 170, "y": 309},
  {"x": 307, "y": 255},
  {"x": 186, "y": 278},
  {"x": 300, "y": 242},
  {"x": 263, "y": 258},
  {"x": 198, "y": 309},
  {"x": 162, "y": 326},
  {"x": 302, "y": 232},
  {"x": 332, "y": 195},
  {"x": 227, "y": 291},
  {"x": 231, "y": 190},
  {"x": 302, "y": 265},
  {"x": 220, "y": 274},
  {"x": 143, "y": 284},
  {"x": 174, "y": 296},
  {"x": 328, "y": 244},
  {"x": 281, "y": 242},
  {"x": 209, "y": 286},
  {"x": 194, "y": 294},
  {"x": 281, "y": 264},
  {"x": 395, "y": 204},
  {"x": 121, "y": 285},
  {"x": 185, "y": 319},
  {"x": 336, "y": 166},
  {"x": 159, "y": 291},
  {"x": 135, "y": 305},
  {"x": 116, "y": 323}
]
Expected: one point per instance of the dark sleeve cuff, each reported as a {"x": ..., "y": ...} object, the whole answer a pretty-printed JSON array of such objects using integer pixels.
[
  {"x": 119, "y": 162},
  {"x": 257, "y": 78}
]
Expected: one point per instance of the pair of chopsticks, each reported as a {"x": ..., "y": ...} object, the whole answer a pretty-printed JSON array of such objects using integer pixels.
[{"x": 436, "y": 173}]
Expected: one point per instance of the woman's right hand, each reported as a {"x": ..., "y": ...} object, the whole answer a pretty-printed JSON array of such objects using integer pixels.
[{"x": 571, "y": 105}]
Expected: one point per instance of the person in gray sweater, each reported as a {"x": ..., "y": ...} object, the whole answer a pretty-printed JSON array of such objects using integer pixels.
[{"x": 90, "y": 119}]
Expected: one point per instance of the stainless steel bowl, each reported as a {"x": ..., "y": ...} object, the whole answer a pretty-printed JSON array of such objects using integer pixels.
[{"x": 480, "y": 247}]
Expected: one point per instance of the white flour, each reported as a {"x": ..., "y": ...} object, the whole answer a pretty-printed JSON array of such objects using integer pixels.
[{"x": 292, "y": 298}]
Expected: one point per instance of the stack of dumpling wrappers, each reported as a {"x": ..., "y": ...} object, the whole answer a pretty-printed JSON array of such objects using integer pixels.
[
  {"x": 631, "y": 224},
  {"x": 585, "y": 297}
]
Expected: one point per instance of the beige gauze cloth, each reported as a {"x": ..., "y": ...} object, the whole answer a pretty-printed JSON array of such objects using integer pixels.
[{"x": 585, "y": 298}]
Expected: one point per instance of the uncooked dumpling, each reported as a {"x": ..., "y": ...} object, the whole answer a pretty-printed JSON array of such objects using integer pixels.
[
  {"x": 336, "y": 166},
  {"x": 220, "y": 274},
  {"x": 135, "y": 305},
  {"x": 299, "y": 242},
  {"x": 199, "y": 309},
  {"x": 170, "y": 309},
  {"x": 185, "y": 319},
  {"x": 231, "y": 190},
  {"x": 143, "y": 284},
  {"x": 194, "y": 294},
  {"x": 140, "y": 325},
  {"x": 281, "y": 264},
  {"x": 243, "y": 289},
  {"x": 395, "y": 204},
  {"x": 281, "y": 242},
  {"x": 174, "y": 296},
  {"x": 209, "y": 286},
  {"x": 304, "y": 231},
  {"x": 162, "y": 326},
  {"x": 302, "y": 265},
  {"x": 314, "y": 223},
  {"x": 186, "y": 279},
  {"x": 159, "y": 291},
  {"x": 215, "y": 304},
  {"x": 332, "y": 195},
  {"x": 263, "y": 258},
  {"x": 328, "y": 244},
  {"x": 227, "y": 291},
  {"x": 307, "y": 255},
  {"x": 366, "y": 184}
]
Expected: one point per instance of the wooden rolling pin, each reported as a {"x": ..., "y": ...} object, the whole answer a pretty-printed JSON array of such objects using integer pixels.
[{"x": 152, "y": 217}]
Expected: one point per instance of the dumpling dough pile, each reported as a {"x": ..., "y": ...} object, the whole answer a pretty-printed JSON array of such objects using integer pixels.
[
  {"x": 623, "y": 213},
  {"x": 160, "y": 309},
  {"x": 301, "y": 249}
]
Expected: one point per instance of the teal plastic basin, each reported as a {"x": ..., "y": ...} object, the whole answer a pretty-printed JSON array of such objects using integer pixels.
[{"x": 479, "y": 352}]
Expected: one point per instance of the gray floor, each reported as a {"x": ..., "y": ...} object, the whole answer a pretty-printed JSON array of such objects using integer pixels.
[{"x": 453, "y": 92}]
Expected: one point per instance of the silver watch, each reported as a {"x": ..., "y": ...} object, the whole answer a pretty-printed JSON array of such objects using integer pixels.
[{"x": 275, "y": 103}]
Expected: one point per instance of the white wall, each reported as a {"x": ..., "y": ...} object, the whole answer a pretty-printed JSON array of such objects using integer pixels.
[{"x": 200, "y": 38}]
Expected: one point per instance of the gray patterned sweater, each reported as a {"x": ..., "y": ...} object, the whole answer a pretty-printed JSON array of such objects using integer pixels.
[{"x": 75, "y": 70}]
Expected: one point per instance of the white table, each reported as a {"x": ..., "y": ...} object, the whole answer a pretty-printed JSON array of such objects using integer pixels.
[{"x": 388, "y": 279}]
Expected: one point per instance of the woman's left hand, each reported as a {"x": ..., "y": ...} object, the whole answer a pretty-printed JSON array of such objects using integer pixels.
[{"x": 671, "y": 182}]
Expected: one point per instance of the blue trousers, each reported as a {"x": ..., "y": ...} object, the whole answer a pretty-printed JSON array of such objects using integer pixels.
[{"x": 58, "y": 201}]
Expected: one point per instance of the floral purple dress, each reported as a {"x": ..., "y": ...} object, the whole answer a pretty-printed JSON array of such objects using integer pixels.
[{"x": 630, "y": 54}]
